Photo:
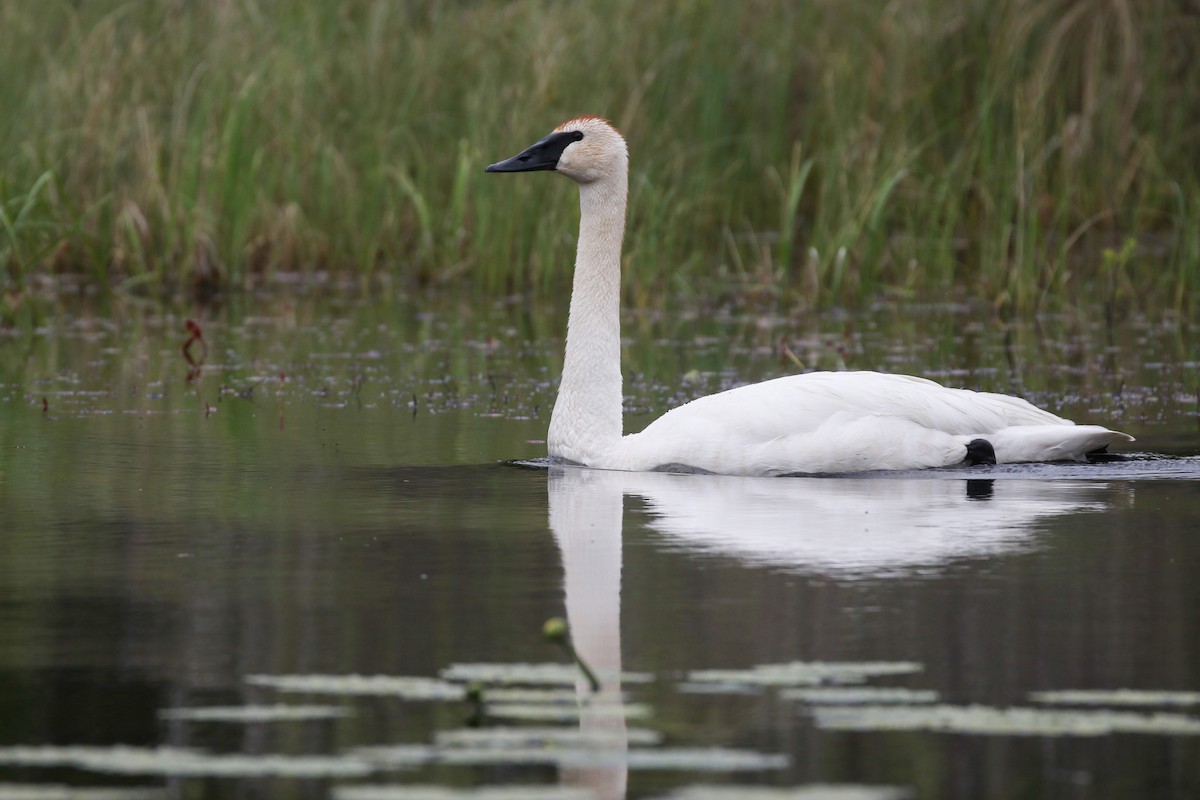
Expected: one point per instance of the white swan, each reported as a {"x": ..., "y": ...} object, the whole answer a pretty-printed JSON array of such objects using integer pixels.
[{"x": 819, "y": 422}]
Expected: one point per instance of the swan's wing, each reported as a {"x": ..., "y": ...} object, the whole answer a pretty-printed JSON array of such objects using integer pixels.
[
  {"x": 803, "y": 403},
  {"x": 837, "y": 421}
]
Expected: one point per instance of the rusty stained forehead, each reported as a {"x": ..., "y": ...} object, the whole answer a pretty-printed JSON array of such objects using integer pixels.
[{"x": 584, "y": 121}]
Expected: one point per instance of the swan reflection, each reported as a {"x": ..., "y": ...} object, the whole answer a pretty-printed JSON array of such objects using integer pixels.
[
  {"x": 853, "y": 526},
  {"x": 850, "y": 528},
  {"x": 585, "y": 516}
]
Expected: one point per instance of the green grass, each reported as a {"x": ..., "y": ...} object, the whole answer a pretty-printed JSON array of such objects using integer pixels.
[{"x": 819, "y": 150}]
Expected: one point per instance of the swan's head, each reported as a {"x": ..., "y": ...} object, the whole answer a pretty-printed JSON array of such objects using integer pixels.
[{"x": 586, "y": 149}]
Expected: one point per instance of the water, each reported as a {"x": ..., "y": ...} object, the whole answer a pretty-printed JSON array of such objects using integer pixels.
[{"x": 327, "y": 494}]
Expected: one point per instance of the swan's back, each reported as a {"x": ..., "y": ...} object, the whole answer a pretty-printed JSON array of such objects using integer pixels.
[
  {"x": 808, "y": 400},
  {"x": 843, "y": 422}
]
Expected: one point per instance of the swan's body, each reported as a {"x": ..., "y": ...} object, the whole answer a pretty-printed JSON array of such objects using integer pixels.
[{"x": 812, "y": 423}]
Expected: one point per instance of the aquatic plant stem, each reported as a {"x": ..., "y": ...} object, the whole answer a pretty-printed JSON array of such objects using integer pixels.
[{"x": 555, "y": 631}]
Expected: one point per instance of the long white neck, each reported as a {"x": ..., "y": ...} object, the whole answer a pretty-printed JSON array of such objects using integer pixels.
[{"x": 587, "y": 415}]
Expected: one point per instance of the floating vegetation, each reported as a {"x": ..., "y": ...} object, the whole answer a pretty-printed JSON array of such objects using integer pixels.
[
  {"x": 713, "y": 687},
  {"x": 252, "y": 714},
  {"x": 1116, "y": 697},
  {"x": 815, "y": 791},
  {"x": 860, "y": 695},
  {"x": 385, "y": 792},
  {"x": 528, "y": 756},
  {"x": 691, "y": 759},
  {"x": 397, "y": 756},
  {"x": 546, "y": 737},
  {"x": 701, "y": 759},
  {"x": 176, "y": 761},
  {"x": 403, "y": 687},
  {"x": 542, "y": 712},
  {"x": 705, "y": 759},
  {"x": 986, "y": 721},
  {"x": 522, "y": 696},
  {"x": 803, "y": 673},
  {"x": 550, "y": 674},
  {"x": 30, "y": 791}
]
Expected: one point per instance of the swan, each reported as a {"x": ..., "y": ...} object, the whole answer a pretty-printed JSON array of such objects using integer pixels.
[{"x": 819, "y": 422}]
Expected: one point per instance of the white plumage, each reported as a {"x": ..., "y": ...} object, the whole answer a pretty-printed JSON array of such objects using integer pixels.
[{"x": 814, "y": 423}]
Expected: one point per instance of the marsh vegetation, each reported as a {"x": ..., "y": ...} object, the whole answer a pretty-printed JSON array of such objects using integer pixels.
[{"x": 1036, "y": 153}]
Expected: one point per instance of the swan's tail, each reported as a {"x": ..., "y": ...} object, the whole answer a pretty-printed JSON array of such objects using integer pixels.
[{"x": 1052, "y": 442}]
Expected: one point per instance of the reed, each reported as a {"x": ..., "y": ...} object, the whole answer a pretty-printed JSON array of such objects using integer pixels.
[{"x": 825, "y": 150}]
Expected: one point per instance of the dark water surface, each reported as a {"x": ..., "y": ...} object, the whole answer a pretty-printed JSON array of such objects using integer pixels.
[{"x": 326, "y": 494}]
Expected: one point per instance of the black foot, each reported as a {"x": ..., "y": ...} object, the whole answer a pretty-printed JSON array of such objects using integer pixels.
[
  {"x": 980, "y": 451},
  {"x": 1101, "y": 456}
]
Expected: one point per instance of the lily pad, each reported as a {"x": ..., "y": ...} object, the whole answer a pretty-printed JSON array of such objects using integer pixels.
[
  {"x": 401, "y": 686},
  {"x": 535, "y": 712},
  {"x": 529, "y": 696},
  {"x": 1116, "y": 697},
  {"x": 35, "y": 791},
  {"x": 548, "y": 674},
  {"x": 860, "y": 695},
  {"x": 546, "y": 737},
  {"x": 705, "y": 759},
  {"x": 715, "y": 687},
  {"x": 814, "y": 791},
  {"x": 804, "y": 673},
  {"x": 175, "y": 761},
  {"x": 982, "y": 720},
  {"x": 397, "y": 756},
  {"x": 690, "y": 759},
  {"x": 384, "y": 792},
  {"x": 252, "y": 714}
]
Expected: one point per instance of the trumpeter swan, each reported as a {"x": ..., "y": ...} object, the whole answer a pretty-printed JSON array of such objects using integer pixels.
[{"x": 819, "y": 422}]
